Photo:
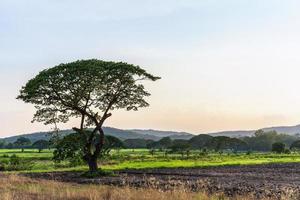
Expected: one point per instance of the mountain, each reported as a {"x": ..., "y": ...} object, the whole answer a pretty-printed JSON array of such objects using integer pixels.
[
  {"x": 290, "y": 130},
  {"x": 119, "y": 133},
  {"x": 172, "y": 134},
  {"x": 157, "y": 135}
]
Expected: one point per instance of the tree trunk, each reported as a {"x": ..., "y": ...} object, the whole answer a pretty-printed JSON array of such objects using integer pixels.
[{"x": 93, "y": 165}]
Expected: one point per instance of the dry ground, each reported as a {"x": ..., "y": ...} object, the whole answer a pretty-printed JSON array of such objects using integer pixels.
[
  {"x": 16, "y": 187},
  {"x": 273, "y": 181}
]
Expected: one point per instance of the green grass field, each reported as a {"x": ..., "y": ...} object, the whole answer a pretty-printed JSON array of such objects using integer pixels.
[{"x": 142, "y": 159}]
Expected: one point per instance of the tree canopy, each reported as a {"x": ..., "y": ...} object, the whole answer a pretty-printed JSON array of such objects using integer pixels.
[
  {"x": 22, "y": 142},
  {"x": 89, "y": 90}
]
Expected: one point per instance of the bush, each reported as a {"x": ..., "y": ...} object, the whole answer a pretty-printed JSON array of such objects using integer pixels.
[
  {"x": 295, "y": 146},
  {"x": 287, "y": 151},
  {"x": 75, "y": 161},
  {"x": 278, "y": 147},
  {"x": 15, "y": 163}
]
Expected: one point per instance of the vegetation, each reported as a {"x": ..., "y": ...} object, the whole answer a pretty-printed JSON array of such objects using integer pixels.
[
  {"x": 41, "y": 144},
  {"x": 295, "y": 145},
  {"x": 22, "y": 143},
  {"x": 71, "y": 148},
  {"x": 141, "y": 159},
  {"x": 84, "y": 89},
  {"x": 15, "y": 187},
  {"x": 278, "y": 147}
]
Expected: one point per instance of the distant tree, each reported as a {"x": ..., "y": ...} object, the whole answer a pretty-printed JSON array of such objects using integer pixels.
[
  {"x": 111, "y": 142},
  {"x": 263, "y": 140},
  {"x": 181, "y": 146},
  {"x": 137, "y": 143},
  {"x": 200, "y": 141},
  {"x": 165, "y": 143},
  {"x": 162, "y": 144},
  {"x": 41, "y": 144},
  {"x": 22, "y": 142},
  {"x": 89, "y": 90},
  {"x": 2, "y": 144},
  {"x": 278, "y": 147},
  {"x": 220, "y": 143},
  {"x": 295, "y": 145},
  {"x": 9, "y": 146}
]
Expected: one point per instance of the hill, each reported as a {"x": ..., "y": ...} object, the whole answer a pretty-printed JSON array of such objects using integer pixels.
[
  {"x": 119, "y": 133},
  {"x": 160, "y": 134},
  {"x": 290, "y": 130},
  {"x": 157, "y": 134}
]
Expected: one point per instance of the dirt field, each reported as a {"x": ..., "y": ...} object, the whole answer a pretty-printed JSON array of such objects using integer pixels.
[{"x": 276, "y": 181}]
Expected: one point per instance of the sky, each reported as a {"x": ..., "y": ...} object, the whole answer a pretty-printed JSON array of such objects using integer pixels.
[{"x": 225, "y": 65}]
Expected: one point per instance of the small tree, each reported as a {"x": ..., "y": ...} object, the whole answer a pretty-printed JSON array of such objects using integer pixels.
[
  {"x": 111, "y": 142},
  {"x": 41, "y": 144},
  {"x": 165, "y": 143},
  {"x": 181, "y": 146},
  {"x": 295, "y": 145},
  {"x": 71, "y": 147},
  {"x": 278, "y": 147},
  {"x": 89, "y": 90},
  {"x": 22, "y": 142}
]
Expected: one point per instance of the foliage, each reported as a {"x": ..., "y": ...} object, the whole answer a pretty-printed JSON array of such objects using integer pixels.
[
  {"x": 137, "y": 143},
  {"x": 263, "y": 140},
  {"x": 200, "y": 141},
  {"x": 71, "y": 148},
  {"x": 22, "y": 143},
  {"x": 41, "y": 144},
  {"x": 278, "y": 147},
  {"x": 162, "y": 144},
  {"x": 2, "y": 144},
  {"x": 84, "y": 89},
  {"x": 111, "y": 142},
  {"x": 15, "y": 163},
  {"x": 226, "y": 143},
  {"x": 181, "y": 146},
  {"x": 295, "y": 145}
]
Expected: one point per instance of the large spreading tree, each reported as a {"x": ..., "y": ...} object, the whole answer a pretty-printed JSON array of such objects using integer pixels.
[{"x": 89, "y": 90}]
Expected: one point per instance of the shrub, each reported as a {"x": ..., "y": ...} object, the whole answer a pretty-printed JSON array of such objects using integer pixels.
[
  {"x": 287, "y": 151},
  {"x": 278, "y": 147},
  {"x": 15, "y": 163},
  {"x": 295, "y": 145}
]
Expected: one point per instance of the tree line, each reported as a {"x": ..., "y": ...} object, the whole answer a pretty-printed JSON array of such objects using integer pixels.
[
  {"x": 261, "y": 141},
  {"x": 25, "y": 143}
]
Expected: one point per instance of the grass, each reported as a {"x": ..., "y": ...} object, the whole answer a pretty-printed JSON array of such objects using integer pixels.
[
  {"x": 14, "y": 187},
  {"x": 141, "y": 159}
]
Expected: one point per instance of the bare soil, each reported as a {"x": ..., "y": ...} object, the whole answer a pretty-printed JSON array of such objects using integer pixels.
[{"x": 275, "y": 181}]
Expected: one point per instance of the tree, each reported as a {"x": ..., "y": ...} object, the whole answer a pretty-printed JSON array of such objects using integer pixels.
[
  {"x": 295, "y": 145},
  {"x": 162, "y": 144},
  {"x": 138, "y": 143},
  {"x": 226, "y": 143},
  {"x": 89, "y": 90},
  {"x": 278, "y": 147},
  {"x": 111, "y": 142},
  {"x": 165, "y": 143},
  {"x": 22, "y": 142},
  {"x": 181, "y": 146},
  {"x": 71, "y": 147},
  {"x": 41, "y": 144},
  {"x": 2, "y": 144},
  {"x": 200, "y": 141},
  {"x": 263, "y": 140}
]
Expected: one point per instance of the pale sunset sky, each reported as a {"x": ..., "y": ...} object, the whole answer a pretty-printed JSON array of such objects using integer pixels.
[{"x": 225, "y": 65}]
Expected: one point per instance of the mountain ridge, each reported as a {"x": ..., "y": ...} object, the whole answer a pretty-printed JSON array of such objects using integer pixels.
[{"x": 151, "y": 134}]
